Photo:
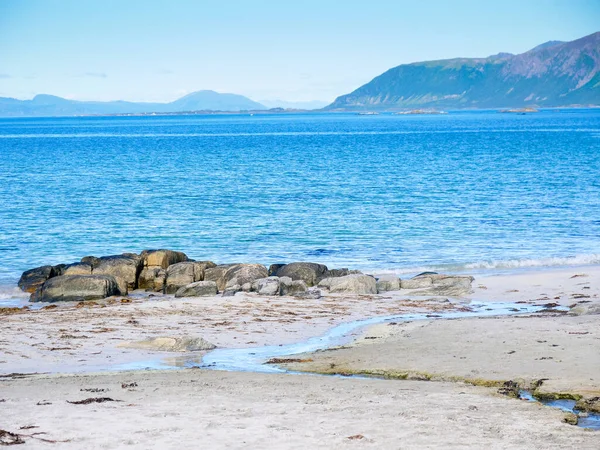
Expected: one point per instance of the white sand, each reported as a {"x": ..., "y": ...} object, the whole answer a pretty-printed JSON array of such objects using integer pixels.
[
  {"x": 246, "y": 410},
  {"x": 199, "y": 409}
]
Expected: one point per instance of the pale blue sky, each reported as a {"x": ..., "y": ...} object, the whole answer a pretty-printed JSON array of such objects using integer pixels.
[{"x": 265, "y": 49}]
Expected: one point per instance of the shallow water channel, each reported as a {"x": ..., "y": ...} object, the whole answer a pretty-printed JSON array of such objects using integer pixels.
[{"x": 253, "y": 359}]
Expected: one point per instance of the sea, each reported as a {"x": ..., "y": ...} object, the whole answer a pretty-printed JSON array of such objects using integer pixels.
[{"x": 459, "y": 192}]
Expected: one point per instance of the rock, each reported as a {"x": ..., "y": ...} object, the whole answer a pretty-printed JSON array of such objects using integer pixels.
[
  {"x": 91, "y": 260},
  {"x": 266, "y": 286},
  {"x": 59, "y": 269},
  {"x": 78, "y": 269},
  {"x": 171, "y": 344},
  {"x": 354, "y": 284},
  {"x": 32, "y": 279},
  {"x": 509, "y": 388},
  {"x": 273, "y": 268},
  {"x": 162, "y": 258},
  {"x": 68, "y": 288},
  {"x": 246, "y": 287},
  {"x": 287, "y": 286},
  {"x": 334, "y": 273},
  {"x": 184, "y": 273},
  {"x": 570, "y": 418},
  {"x": 418, "y": 282},
  {"x": 232, "y": 290},
  {"x": 217, "y": 274},
  {"x": 125, "y": 269},
  {"x": 310, "y": 273},
  {"x": 244, "y": 273},
  {"x": 439, "y": 284},
  {"x": 198, "y": 289},
  {"x": 589, "y": 405},
  {"x": 152, "y": 279},
  {"x": 387, "y": 283},
  {"x": 585, "y": 309}
]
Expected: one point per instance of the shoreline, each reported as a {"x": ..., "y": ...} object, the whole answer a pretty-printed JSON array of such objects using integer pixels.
[{"x": 219, "y": 408}]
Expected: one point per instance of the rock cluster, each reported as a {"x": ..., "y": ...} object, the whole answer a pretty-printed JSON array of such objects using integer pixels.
[{"x": 172, "y": 272}]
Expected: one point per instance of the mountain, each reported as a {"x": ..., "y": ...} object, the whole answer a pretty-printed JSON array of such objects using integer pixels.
[
  {"x": 50, "y": 105},
  {"x": 211, "y": 100},
  {"x": 552, "y": 74}
]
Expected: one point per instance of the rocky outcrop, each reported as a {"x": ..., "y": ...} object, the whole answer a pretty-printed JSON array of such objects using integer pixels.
[
  {"x": 91, "y": 260},
  {"x": 241, "y": 274},
  {"x": 198, "y": 289},
  {"x": 217, "y": 274},
  {"x": 78, "y": 269},
  {"x": 386, "y": 283},
  {"x": 351, "y": 284},
  {"x": 125, "y": 269},
  {"x": 162, "y": 258},
  {"x": 267, "y": 286},
  {"x": 310, "y": 273},
  {"x": 183, "y": 273},
  {"x": 76, "y": 288},
  {"x": 152, "y": 279},
  {"x": 439, "y": 284},
  {"x": 32, "y": 279},
  {"x": 171, "y": 344},
  {"x": 273, "y": 268},
  {"x": 287, "y": 286},
  {"x": 152, "y": 276}
]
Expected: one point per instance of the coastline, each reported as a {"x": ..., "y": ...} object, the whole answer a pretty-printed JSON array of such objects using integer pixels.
[{"x": 79, "y": 346}]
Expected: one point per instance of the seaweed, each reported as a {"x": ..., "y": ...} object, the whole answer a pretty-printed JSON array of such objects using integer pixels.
[{"x": 90, "y": 400}]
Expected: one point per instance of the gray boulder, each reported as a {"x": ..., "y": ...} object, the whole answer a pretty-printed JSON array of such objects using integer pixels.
[
  {"x": 244, "y": 273},
  {"x": 125, "y": 269},
  {"x": 418, "y": 282},
  {"x": 333, "y": 273},
  {"x": 198, "y": 289},
  {"x": 439, "y": 284},
  {"x": 287, "y": 286},
  {"x": 171, "y": 344},
  {"x": 273, "y": 268},
  {"x": 162, "y": 258},
  {"x": 310, "y": 273},
  {"x": 67, "y": 288},
  {"x": 266, "y": 286},
  {"x": 351, "y": 284},
  {"x": 232, "y": 290},
  {"x": 184, "y": 273},
  {"x": 78, "y": 269},
  {"x": 387, "y": 283},
  {"x": 32, "y": 279},
  {"x": 217, "y": 274}
]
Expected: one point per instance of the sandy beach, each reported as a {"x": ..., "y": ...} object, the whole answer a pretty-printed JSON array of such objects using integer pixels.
[{"x": 76, "y": 349}]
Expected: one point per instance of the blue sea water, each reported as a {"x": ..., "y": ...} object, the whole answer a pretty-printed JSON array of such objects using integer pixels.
[{"x": 462, "y": 191}]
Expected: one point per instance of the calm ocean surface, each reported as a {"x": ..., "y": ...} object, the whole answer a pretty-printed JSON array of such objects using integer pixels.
[{"x": 464, "y": 191}]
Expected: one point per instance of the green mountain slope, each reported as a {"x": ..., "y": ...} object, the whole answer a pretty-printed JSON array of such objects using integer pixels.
[{"x": 552, "y": 74}]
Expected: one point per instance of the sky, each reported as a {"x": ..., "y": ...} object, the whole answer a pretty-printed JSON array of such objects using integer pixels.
[{"x": 264, "y": 49}]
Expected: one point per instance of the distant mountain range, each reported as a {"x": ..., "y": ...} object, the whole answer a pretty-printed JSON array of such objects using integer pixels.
[
  {"x": 552, "y": 74},
  {"x": 50, "y": 105}
]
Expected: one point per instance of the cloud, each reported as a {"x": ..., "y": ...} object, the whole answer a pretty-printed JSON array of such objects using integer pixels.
[
  {"x": 4, "y": 76},
  {"x": 94, "y": 75}
]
